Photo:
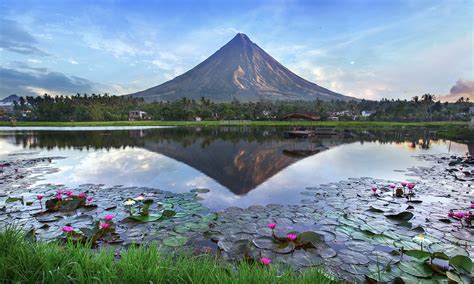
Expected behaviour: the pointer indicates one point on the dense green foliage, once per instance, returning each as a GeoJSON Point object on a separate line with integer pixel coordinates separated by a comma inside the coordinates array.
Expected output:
{"type": "Point", "coordinates": [25, 261]}
{"type": "Point", "coordinates": [116, 108]}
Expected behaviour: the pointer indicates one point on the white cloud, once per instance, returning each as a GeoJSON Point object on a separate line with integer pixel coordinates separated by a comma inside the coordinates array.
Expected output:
{"type": "Point", "coordinates": [72, 61]}
{"type": "Point", "coordinates": [36, 61]}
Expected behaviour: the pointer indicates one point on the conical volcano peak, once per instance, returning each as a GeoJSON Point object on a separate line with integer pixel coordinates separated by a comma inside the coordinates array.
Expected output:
{"type": "Point", "coordinates": [239, 70]}
{"type": "Point", "coordinates": [240, 38]}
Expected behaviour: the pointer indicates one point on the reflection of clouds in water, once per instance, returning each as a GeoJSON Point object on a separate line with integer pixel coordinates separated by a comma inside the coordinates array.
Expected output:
{"type": "Point", "coordinates": [140, 167]}
{"type": "Point", "coordinates": [125, 166]}
{"type": "Point", "coordinates": [339, 163]}
{"type": "Point", "coordinates": [8, 148]}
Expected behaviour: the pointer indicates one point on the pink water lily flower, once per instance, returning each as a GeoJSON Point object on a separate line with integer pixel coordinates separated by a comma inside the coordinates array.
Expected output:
{"type": "Point", "coordinates": [291, 237]}
{"type": "Point", "coordinates": [411, 185]}
{"type": "Point", "coordinates": [265, 261]}
{"type": "Point", "coordinates": [404, 183]}
{"type": "Point", "coordinates": [272, 226]}
{"type": "Point", "coordinates": [392, 185]}
{"type": "Point", "coordinates": [69, 193]}
{"type": "Point", "coordinates": [59, 197]}
{"type": "Point", "coordinates": [104, 225]}
{"type": "Point", "coordinates": [109, 217]}
{"type": "Point", "coordinates": [68, 229]}
{"type": "Point", "coordinates": [39, 196]}
{"type": "Point", "coordinates": [81, 195]}
{"type": "Point", "coordinates": [374, 189]}
{"type": "Point", "coordinates": [459, 215]}
{"type": "Point", "coordinates": [472, 205]}
{"type": "Point", "coordinates": [89, 198]}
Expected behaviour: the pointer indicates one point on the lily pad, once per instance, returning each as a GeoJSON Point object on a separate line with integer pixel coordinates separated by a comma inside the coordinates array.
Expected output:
{"type": "Point", "coordinates": [382, 273]}
{"type": "Point", "coordinates": [418, 269]}
{"type": "Point", "coordinates": [402, 216]}
{"type": "Point", "coordinates": [284, 248]}
{"type": "Point", "coordinates": [175, 241]}
{"type": "Point", "coordinates": [264, 242]}
{"type": "Point", "coordinates": [461, 262]}
{"type": "Point", "coordinates": [418, 254]}
{"type": "Point", "coordinates": [448, 249]}
{"type": "Point", "coordinates": [147, 218]}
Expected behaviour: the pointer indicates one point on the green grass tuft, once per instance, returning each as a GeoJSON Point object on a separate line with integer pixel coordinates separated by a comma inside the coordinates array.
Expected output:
{"type": "Point", "coordinates": [24, 261]}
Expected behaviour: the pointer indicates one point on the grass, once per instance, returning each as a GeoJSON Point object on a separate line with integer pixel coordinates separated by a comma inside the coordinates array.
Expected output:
{"type": "Point", "coordinates": [454, 130]}
{"type": "Point", "coordinates": [377, 124]}
{"type": "Point", "coordinates": [24, 261]}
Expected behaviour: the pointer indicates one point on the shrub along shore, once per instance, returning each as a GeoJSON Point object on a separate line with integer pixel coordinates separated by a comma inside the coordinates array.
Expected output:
{"type": "Point", "coordinates": [24, 260]}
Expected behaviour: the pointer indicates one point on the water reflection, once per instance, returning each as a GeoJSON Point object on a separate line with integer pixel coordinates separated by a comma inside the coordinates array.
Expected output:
{"type": "Point", "coordinates": [242, 166]}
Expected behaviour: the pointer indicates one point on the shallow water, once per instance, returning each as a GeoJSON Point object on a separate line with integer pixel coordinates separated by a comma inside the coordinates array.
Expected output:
{"type": "Point", "coordinates": [241, 166]}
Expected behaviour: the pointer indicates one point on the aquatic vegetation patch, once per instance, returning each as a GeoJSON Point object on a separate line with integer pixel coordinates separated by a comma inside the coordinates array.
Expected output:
{"type": "Point", "coordinates": [361, 229]}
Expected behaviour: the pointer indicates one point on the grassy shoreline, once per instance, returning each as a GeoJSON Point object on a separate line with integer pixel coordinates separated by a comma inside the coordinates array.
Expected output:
{"type": "Point", "coordinates": [452, 130]}
{"type": "Point", "coordinates": [376, 124]}
{"type": "Point", "coordinates": [26, 261]}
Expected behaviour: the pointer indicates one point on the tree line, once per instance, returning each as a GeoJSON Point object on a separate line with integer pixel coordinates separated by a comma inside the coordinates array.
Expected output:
{"type": "Point", "coordinates": [83, 107]}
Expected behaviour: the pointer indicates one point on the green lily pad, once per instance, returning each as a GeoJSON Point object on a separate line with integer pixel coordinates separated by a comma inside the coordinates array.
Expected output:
{"type": "Point", "coordinates": [418, 269]}
{"type": "Point", "coordinates": [448, 249]}
{"type": "Point", "coordinates": [168, 213]}
{"type": "Point", "coordinates": [461, 262]}
{"type": "Point", "coordinates": [402, 216]}
{"type": "Point", "coordinates": [147, 218]}
{"type": "Point", "coordinates": [382, 273]}
{"type": "Point", "coordinates": [175, 241]}
{"type": "Point", "coordinates": [418, 254]}
{"type": "Point", "coordinates": [14, 199]}
{"type": "Point", "coordinates": [310, 237]}
{"type": "Point", "coordinates": [264, 242]}
{"type": "Point", "coordinates": [456, 278]}
{"type": "Point", "coordinates": [284, 248]}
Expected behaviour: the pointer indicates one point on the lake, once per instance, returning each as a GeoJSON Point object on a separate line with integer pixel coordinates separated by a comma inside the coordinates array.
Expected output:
{"type": "Point", "coordinates": [241, 166]}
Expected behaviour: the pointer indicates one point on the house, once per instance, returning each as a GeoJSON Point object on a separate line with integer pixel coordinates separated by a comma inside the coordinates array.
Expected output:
{"type": "Point", "coordinates": [367, 113]}
{"type": "Point", "coordinates": [300, 116]}
{"type": "Point", "coordinates": [197, 118]}
{"type": "Point", "coordinates": [333, 118]}
{"type": "Point", "coordinates": [137, 115]}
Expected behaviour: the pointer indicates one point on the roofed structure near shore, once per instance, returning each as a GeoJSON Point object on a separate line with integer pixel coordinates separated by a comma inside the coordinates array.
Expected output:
{"type": "Point", "coordinates": [301, 116]}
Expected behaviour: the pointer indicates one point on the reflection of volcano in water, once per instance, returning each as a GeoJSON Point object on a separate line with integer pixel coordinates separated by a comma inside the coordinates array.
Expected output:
{"type": "Point", "coordinates": [240, 166]}
{"type": "Point", "coordinates": [238, 158]}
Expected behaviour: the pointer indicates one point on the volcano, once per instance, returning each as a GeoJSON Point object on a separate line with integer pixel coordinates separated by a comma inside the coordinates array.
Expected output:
{"type": "Point", "coordinates": [239, 70]}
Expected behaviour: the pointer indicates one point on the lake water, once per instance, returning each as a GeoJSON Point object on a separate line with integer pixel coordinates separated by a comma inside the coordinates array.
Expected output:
{"type": "Point", "coordinates": [241, 166]}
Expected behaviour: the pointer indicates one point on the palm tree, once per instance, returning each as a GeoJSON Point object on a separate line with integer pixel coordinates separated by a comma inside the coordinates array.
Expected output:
{"type": "Point", "coordinates": [428, 100]}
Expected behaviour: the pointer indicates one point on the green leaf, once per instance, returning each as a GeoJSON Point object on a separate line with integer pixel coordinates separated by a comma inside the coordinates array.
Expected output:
{"type": "Point", "coordinates": [418, 254]}
{"type": "Point", "coordinates": [454, 277]}
{"type": "Point", "coordinates": [402, 216]}
{"type": "Point", "coordinates": [14, 199]}
{"type": "Point", "coordinates": [168, 213]}
{"type": "Point", "coordinates": [175, 241]}
{"type": "Point", "coordinates": [284, 248]}
{"type": "Point", "coordinates": [149, 218]}
{"type": "Point", "coordinates": [264, 242]}
{"type": "Point", "coordinates": [461, 262]}
{"type": "Point", "coordinates": [440, 255]}
{"type": "Point", "coordinates": [310, 237]}
{"type": "Point", "coordinates": [418, 269]}
{"type": "Point", "coordinates": [383, 273]}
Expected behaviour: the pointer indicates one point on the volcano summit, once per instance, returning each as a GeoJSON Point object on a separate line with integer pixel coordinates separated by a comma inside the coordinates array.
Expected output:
{"type": "Point", "coordinates": [239, 70]}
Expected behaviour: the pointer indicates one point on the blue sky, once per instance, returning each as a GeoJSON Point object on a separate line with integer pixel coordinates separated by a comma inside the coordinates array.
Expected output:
{"type": "Point", "coordinates": [367, 49]}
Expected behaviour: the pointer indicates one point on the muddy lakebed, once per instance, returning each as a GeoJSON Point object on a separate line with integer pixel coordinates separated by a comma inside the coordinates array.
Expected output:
{"type": "Point", "coordinates": [216, 190]}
